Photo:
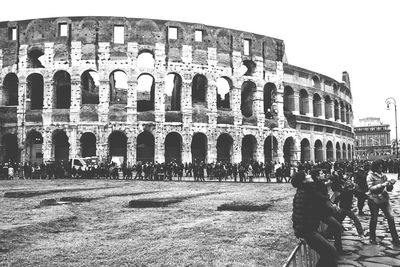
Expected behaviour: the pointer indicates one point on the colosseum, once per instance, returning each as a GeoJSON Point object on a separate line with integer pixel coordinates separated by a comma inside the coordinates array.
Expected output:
{"type": "Point", "coordinates": [153, 90]}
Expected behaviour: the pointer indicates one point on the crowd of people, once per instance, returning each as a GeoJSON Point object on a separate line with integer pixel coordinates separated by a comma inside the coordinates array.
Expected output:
{"type": "Point", "coordinates": [324, 197]}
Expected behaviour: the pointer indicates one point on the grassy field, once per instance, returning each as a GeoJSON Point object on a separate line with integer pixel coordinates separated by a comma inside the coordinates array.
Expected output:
{"type": "Point", "coordinates": [99, 228]}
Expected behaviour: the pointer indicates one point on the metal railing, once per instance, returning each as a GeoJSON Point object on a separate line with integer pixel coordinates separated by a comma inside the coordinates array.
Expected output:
{"type": "Point", "coordinates": [302, 256]}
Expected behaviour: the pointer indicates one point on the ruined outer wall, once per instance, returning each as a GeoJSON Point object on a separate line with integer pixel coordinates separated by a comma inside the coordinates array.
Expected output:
{"type": "Point", "coordinates": [90, 46]}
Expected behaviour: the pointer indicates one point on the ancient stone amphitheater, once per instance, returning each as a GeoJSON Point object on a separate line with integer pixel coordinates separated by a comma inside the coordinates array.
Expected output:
{"type": "Point", "coordinates": [141, 89]}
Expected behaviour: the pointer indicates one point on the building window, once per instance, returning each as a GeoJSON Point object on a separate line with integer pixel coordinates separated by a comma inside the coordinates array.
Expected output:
{"type": "Point", "coordinates": [246, 47]}
{"type": "Point", "coordinates": [198, 36]}
{"type": "Point", "coordinates": [119, 32]}
{"type": "Point", "coordinates": [62, 29]}
{"type": "Point", "coordinates": [172, 33]}
{"type": "Point", "coordinates": [12, 34]}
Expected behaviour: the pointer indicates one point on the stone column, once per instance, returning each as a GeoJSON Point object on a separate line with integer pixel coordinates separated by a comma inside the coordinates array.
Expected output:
{"type": "Point", "coordinates": [72, 133]}
{"type": "Point", "coordinates": [159, 100]}
{"type": "Point", "coordinates": [212, 101]}
{"type": "Point", "coordinates": [322, 115]}
{"type": "Point", "coordinates": [131, 107]}
{"type": "Point", "coordinates": [235, 105]}
{"type": "Point", "coordinates": [186, 145]}
{"type": "Point", "coordinates": [104, 100]}
{"type": "Point", "coordinates": [48, 100]}
{"type": "Point", "coordinates": [76, 100]}
{"type": "Point", "coordinates": [47, 145]}
{"type": "Point", "coordinates": [310, 106]}
{"type": "Point", "coordinates": [296, 100]}
{"type": "Point", "coordinates": [159, 146]}
{"type": "Point", "coordinates": [237, 147]}
{"type": "Point", "coordinates": [186, 102]}
{"type": "Point", "coordinates": [211, 146]}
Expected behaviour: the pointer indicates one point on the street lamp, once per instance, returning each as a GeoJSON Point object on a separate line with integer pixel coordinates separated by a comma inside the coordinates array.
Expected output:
{"type": "Point", "coordinates": [389, 101]}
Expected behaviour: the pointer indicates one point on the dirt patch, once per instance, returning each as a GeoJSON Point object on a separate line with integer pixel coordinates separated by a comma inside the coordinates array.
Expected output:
{"type": "Point", "coordinates": [77, 199]}
{"type": "Point", "coordinates": [244, 206]}
{"type": "Point", "coordinates": [33, 193]}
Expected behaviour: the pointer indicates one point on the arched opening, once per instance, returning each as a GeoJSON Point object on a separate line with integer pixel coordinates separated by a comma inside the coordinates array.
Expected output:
{"type": "Point", "coordinates": [33, 147]}
{"type": "Point", "coordinates": [349, 157]}
{"type": "Point", "coordinates": [289, 150]}
{"type": "Point", "coordinates": [10, 148]}
{"type": "Point", "coordinates": [88, 145]}
{"type": "Point", "coordinates": [288, 99]}
{"type": "Point", "coordinates": [328, 107]}
{"type": "Point", "coordinates": [199, 89]}
{"type": "Point", "coordinates": [145, 60]}
{"type": "Point", "coordinates": [270, 148]}
{"type": "Point", "coordinates": [344, 151]}
{"type": "Point", "coordinates": [269, 99]}
{"type": "Point", "coordinates": [117, 145]}
{"type": "Point", "coordinates": [173, 89]}
{"type": "Point", "coordinates": [34, 58]}
{"type": "Point", "coordinates": [329, 151]}
{"type": "Point", "coordinates": [90, 87]}
{"type": "Point", "coordinates": [342, 112]}
{"type": "Point", "coordinates": [224, 86]}
{"type": "Point", "coordinates": [317, 109]}
{"type": "Point", "coordinates": [173, 148]}
{"type": "Point", "coordinates": [347, 114]}
{"type": "Point", "coordinates": [62, 89]}
{"type": "Point", "coordinates": [246, 106]}
{"type": "Point", "coordinates": [305, 150]}
{"type": "Point", "coordinates": [145, 92]}
{"type": "Point", "coordinates": [35, 86]}
{"type": "Point", "coordinates": [316, 82]}
{"type": "Point", "coordinates": [337, 110]}
{"type": "Point", "coordinates": [338, 151]}
{"type": "Point", "coordinates": [248, 68]}
{"type": "Point", "coordinates": [249, 148]}
{"type": "Point", "coordinates": [318, 151]}
{"type": "Point", "coordinates": [60, 145]}
{"type": "Point", "coordinates": [303, 99]}
{"type": "Point", "coordinates": [118, 82]}
{"type": "Point", "coordinates": [145, 147]}
{"type": "Point", "coordinates": [224, 148]}
{"type": "Point", "coordinates": [10, 90]}
{"type": "Point", "coordinates": [199, 147]}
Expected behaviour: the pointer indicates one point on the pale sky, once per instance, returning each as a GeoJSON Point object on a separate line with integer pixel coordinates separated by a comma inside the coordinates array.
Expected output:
{"type": "Point", "coordinates": [328, 37]}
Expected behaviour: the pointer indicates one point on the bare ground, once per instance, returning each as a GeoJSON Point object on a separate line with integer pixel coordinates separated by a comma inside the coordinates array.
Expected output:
{"type": "Point", "coordinates": [103, 230]}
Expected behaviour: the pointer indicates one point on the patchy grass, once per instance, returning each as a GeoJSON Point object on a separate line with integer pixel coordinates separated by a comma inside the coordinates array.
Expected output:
{"type": "Point", "coordinates": [244, 206]}
{"type": "Point", "coordinates": [106, 232]}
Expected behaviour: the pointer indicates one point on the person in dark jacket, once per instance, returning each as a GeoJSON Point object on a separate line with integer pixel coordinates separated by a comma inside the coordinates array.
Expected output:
{"type": "Point", "coordinates": [306, 220]}
{"type": "Point", "coordinates": [360, 179]}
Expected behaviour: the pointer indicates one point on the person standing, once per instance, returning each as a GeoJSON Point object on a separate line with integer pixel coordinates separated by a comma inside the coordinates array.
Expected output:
{"type": "Point", "coordinates": [378, 186]}
{"type": "Point", "coordinates": [360, 179]}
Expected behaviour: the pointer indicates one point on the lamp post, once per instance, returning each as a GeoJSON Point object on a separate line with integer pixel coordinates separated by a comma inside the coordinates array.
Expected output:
{"type": "Point", "coordinates": [389, 101]}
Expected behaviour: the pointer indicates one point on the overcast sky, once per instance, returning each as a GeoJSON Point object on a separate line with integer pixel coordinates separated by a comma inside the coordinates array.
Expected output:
{"type": "Point", "coordinates": [359, 36]}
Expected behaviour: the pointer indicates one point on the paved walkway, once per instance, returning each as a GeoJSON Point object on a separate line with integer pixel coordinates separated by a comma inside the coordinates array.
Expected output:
{"type": "Point", "coordinates": [363, 254]}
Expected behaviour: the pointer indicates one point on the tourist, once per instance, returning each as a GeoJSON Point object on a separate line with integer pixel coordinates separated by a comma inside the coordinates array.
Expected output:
{"type": "Point", "coordinates": [360, 180]}
{"type": "Point", "coordinates": [306, 220]}
{"type": "Point", "coordinates": [379, 186]}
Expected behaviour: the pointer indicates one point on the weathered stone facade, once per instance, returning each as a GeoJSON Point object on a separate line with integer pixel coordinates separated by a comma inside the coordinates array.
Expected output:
{"type": "Point", "coordinates": [269, 98]}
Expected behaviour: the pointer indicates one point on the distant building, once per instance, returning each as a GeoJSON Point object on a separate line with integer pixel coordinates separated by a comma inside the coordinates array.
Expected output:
{"type": "Point", "coordinates": [372, 139]}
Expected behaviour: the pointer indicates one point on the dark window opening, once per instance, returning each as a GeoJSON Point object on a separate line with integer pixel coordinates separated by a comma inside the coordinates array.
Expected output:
{"type": "Point", "coordinates": [35, 90]}
{"type": "Point", "coordinates": [317, 105]}
{"type": "Point", "coordinates": [88, 145]}
{"type": "Point", "coordinates": [248, 68]}
{"type": "Point", "coordinates": [288, 99]}
{"type": "Point", "coordinates": [12, 34]}
{"type": "Point", "coordinates": [117, 144]}
{"type": "Point", "coordinates": [248, 90]}
{"type": "Point", "coordinates": [199, 148]}
{"type": "Point", "coordinates": [33, 146]}
{"type": "Point", "coordinates": [145, 147]}
{"type": "Point", "coordinates": [270, 149]}
{"type": "Point", "coordinates": [90, 87]}
{"type": "Point", "coordinates": [173, 88]}
{"type": "Point", "coordinates": [60, 146]}
{"type": "Point", "coordinates": [249, 149]}
{"type": "Point", "coordinates": [305, 150]}
{"type": "Point", "coordinates": [304, 105]}
{"type": "Point", "coordinates": [145, 93]}
{"type": "Point", "coordinates": [10, 90]}
{"type": "Point", "coordinates": [118, 87]}
{"type": "Point", "coordinates": [224, 148]}
{"type": "Point", "coordinates": [269, 100]}
{"type": "Point", "coordinates": [223, 93]}
{"type": "Point", "coordinates": [199, 89]}
{"type": "Point", "coordinates": [33, 60]}
{"type": "Point", "coordinates": [10, 148]}
{"type": "Point", "coordinates": [62, 89]}
{"type": "Point", "coordinates": [173, 148]}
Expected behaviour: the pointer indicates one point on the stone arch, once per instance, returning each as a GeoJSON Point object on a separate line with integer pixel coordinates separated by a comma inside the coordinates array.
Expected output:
{"type": "Point", "coordinates": [288, 99]}
{"type": "Point", "coordinates": [34, 57]}
{"type": "Point", "coordinates": [269, 98]}
{"type": "Point", "coordinates": [199, 147]}
{"type": "Point", "coordinates": [199, 89]}
{"type": "Point", "coordinates": [33, 147]}
{"type": "Point", "coordinates": [248, 67]}
{"type": "Point", "coordinates": [145, 144]}
{"type": "Point", "coordinates": [118, 82]}
{"type": "Point", "coordinates": [303, 105]}
{"type": "Point", "coordinates": [318, 151]}
{"type": "Point", "coordinates": [249, 148]}
{"type": "Point", "coordinates": [337, 110]}
{"type": "Point", "coordinates": [270, 148]}
{"type": "Point", "coordinates": [145, 92]}
{"type": "Point", "coordinates": [289, 150]}
{"type": "Point", "coordinates": [62, 90]}
{"type": "Point", "coordinates": [329, 151]}
{"type": "Point", "coordinates": [305, 149]}
{"type": "Point", "coordinates": [173, 92]}
{"type": "Point", "coordinates": [328, 107]}
{"type": "Point", "coordinates": [173, 147]}
{"type": "Point", "coordinates": [9, 94]}
{"type": "Point", "coordinates": [342, 112]}
{"type": "Point", "coordinates": [316, 83]}
{"type": "Point", "coordinates": [88, 144]}
{"type": "Point", "coordinates": [317, 105]}
{"type": "Point", "coordinates": [145, 59]}
{"type": "Point", "coordinates": [9, 143]}
{"type": "Point", "coordinates": [338, 151]}
{"type": "Point", "coordinates": [347, 114]}
{"type": "Point", "coordinates": [35, 90]}
{"type": "Point", "coordinates": [60, 145]}
{"type": "Point", "coordinates": [117, 146]}
{"type": "Point", "coordinates": [224, 86]}
{"type": "Point", "coordinates": [90, 87]}
{"type": "Point", "coordinates": [224, 148]}
{"type": "Point", "coordinates": [247, 97]}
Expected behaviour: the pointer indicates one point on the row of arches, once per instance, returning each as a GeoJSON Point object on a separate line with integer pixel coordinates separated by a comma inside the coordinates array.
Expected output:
{"type": "Point", "coordinates": [343, 152]}
{"type": "Point", "coordinates": [118, 91]}
{"type": "Point", "coordinates": [325, 107]}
